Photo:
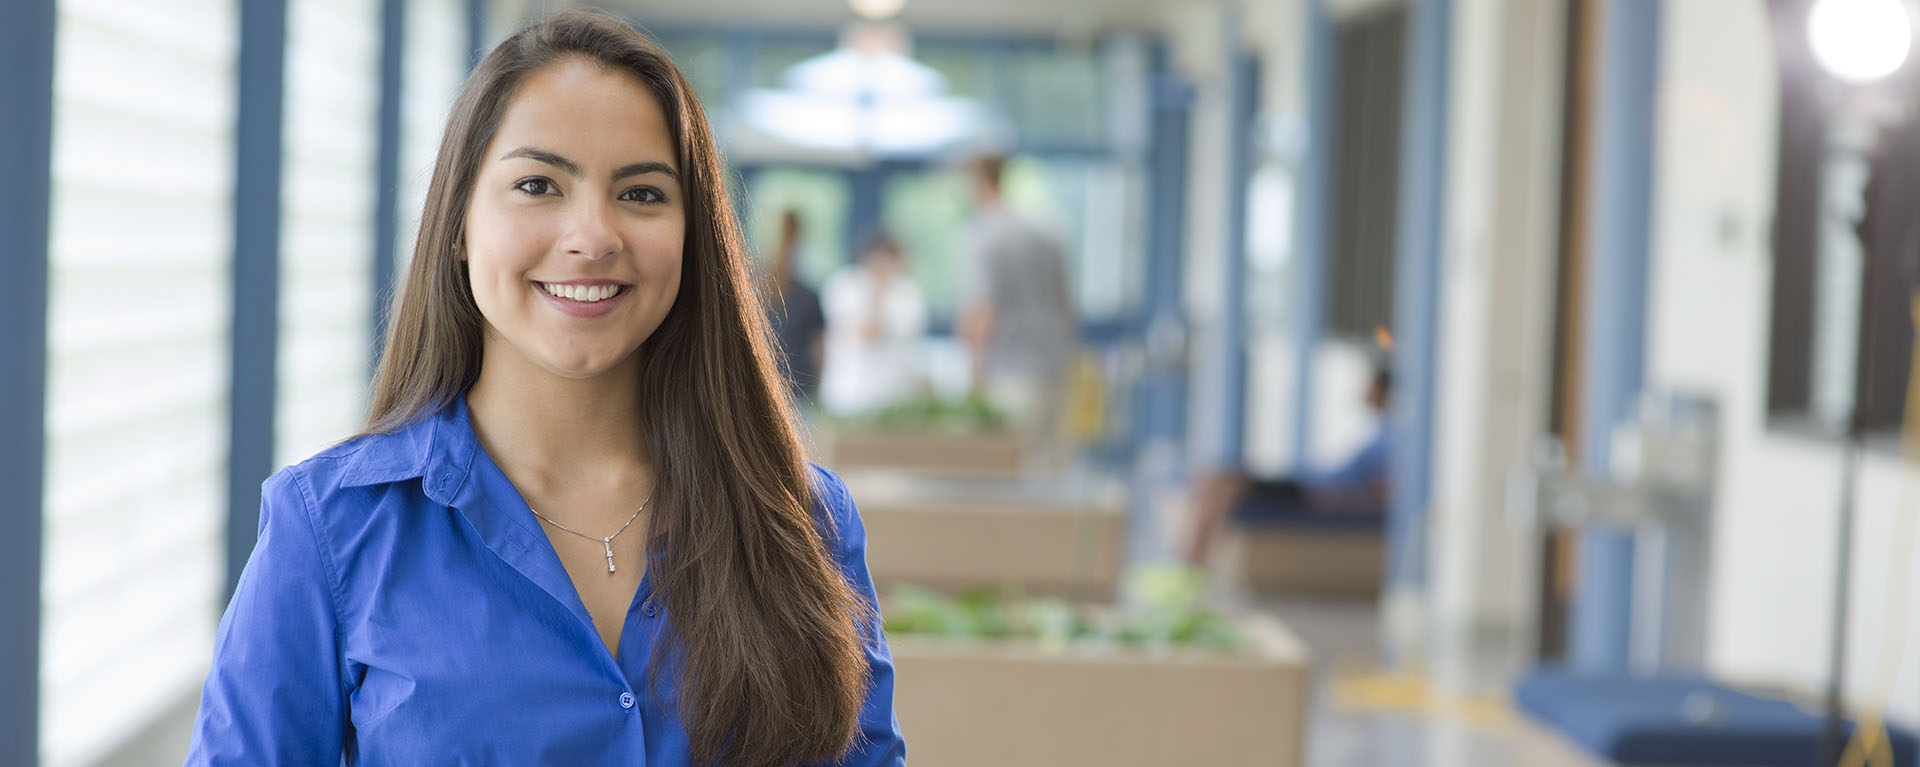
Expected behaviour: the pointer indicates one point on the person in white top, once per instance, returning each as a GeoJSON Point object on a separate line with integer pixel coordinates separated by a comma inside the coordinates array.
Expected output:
{"type": "Point", "coordinates": [875, 319]}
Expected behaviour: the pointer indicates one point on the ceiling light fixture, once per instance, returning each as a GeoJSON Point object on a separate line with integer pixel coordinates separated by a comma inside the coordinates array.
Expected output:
{"type": "Point", "coordinates": [877, 10]}
{"type": "Point", "coordinates": [1859, 41]}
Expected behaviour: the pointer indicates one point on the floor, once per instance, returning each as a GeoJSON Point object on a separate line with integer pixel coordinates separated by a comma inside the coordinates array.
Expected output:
{"type": "Point", "coordinates": [1364, 718]}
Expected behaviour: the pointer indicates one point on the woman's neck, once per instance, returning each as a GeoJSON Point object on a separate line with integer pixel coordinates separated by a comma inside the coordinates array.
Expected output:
{"type": "Point", "coordinates": [532, 421]}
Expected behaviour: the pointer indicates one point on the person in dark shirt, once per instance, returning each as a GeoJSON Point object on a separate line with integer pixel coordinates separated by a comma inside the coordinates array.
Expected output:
{"type": "Point", "coordinates": [793, 309]}
{"type": "Point", "coordinates": [1356, 487]}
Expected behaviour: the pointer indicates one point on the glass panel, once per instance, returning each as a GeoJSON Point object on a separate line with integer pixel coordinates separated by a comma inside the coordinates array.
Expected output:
{"type": "Point", "coordinates": [926, 211]}
{"type": "Point", "coordinates": [820, 196]}
{"type": "Point", "coordinates": [1084, 203]}
{"type": "Point", "coordinates": [1078, 201]}
{"type": "Point", "coordinates": [703, 59]}
{"type": "Point", "coordinates": [140, 244]}
{"type": "Point", "coordinates": [1836, 301]}
{"type": "Point", "coordinates": [326, 224]}
{"type": "Point", "coordinates": [961, 65]}
{"type": "Point", "coordinates": [771, 59]}
{"type": "Point", "coordinates": [1057, 95]}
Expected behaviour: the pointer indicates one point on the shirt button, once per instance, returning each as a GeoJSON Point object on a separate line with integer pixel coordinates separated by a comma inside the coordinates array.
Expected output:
{"type": "Point", "coordinates": [648, 609]}
{"type": "Point", "coordinates": [626, 700]}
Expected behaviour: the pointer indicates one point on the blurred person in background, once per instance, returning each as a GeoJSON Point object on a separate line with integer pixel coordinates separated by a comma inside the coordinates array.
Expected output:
{"type": "Point", "coordinates": [1016, 316]}
{"type": "Point", "coordinates": [1357, 487]}
{"type": "Point", "coordinates": [876, 317]}
{"type": "Point", "coordinates": [794, 311]}
{"type": "Point", "coordinates": [579, 527]}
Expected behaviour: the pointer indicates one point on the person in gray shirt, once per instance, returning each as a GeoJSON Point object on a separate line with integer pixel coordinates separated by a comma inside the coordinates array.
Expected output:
{"type": "Point", "coordinates": [1017, 317]}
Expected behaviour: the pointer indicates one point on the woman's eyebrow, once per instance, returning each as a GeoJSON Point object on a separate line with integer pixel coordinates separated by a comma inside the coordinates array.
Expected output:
{"type": "Point", "coordinates": [639, 168]}
{"type": "Point", "coordinates": [573, 169]}
{"type": "Point", "coordinates": [543, 156]}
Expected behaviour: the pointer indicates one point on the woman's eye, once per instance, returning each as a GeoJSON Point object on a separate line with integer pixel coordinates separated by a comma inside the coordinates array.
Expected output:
{"type": "Point", "coordinates": [534, 186]}
{"type": "Point", "coordinates": [643, 194]}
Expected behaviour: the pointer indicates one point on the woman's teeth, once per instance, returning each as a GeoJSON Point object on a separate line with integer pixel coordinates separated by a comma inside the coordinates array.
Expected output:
{"type": "Point", "coordinates": [582, 293]}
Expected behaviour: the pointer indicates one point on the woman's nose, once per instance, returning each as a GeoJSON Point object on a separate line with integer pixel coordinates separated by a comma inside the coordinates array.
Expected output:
{"type": "Point", "coordinates": [592, 234]}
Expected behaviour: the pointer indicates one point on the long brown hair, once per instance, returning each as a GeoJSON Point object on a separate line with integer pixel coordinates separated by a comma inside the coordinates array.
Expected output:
{"type": "Point", "coordinates": [772, 671]}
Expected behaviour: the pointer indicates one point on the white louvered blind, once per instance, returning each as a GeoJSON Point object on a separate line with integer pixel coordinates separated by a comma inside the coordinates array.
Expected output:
{"type": "Point", "coordinates": [141, 242]}
{"type": "Point", "coordinates": [436, 59]}
{"type": "Point", "coordinates": [326, 217]}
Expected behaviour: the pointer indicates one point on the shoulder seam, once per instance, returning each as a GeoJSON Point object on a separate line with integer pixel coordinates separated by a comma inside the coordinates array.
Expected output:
{"type": "Point", "coordinates": [309, 503]}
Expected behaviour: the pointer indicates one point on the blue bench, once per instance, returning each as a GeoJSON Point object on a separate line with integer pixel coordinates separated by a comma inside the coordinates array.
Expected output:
{"type": "Point", "coordinates": [1678, 721]}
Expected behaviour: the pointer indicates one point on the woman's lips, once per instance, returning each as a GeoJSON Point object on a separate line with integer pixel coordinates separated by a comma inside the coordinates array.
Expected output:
{"type": "Point", "coordinates": [585, 298]}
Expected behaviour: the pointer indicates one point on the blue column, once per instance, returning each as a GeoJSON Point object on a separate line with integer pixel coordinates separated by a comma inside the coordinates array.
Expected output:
{"type": "Point", "coordinates": [1313, 214]}
{"type": "Point", "coordinates": [1616, 300]}
{"type": "Point", "coordinates": [1416, 292]}
{"type": "Point", "coordinates": [863, 206]}
{"type": "Point", "coordinates": [256, 271]}
{"type": "Point", "coordinates": [1243, 91]}
{"type": "Point", "coordinates": [386, 192]}
{"type": "Point", "coordinates": [26, 143]}
{"type": "Point", "coordinates": [476, 32]}
{"type": "Point", "coordinates": [1162, 400]}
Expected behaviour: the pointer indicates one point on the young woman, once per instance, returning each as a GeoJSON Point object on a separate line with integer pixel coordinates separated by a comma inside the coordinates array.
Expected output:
{"type": "Point", "coordinates": [580, 528]}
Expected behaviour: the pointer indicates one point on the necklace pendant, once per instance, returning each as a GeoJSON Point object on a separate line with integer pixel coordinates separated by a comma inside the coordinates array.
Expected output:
{"type": "Point", "coordinates": [608, 543]}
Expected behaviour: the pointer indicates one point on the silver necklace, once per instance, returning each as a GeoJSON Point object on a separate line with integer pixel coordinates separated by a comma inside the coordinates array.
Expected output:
{"type": "Point", "coordinates": [606, 542]}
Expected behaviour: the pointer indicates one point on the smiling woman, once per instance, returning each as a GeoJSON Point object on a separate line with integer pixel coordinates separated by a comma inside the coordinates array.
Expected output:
{"type": "Point", "coordinates": [576, 215]}
{"type": "Point", "coordinates": [576, 352]}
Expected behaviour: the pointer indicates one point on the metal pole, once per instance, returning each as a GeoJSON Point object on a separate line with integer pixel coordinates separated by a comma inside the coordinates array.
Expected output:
{"type": "Point", "coordinates": [1834, 738]}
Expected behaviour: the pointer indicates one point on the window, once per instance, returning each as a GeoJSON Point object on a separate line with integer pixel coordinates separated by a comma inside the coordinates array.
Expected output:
{"type": "Point", "coordinates": [1366, 182]}
{"type": "Point", "coordinates": [1057, 95]}
{"type": "Point", "coordinates": [140, 237]}
{"type": "Point", "coordinates": [927, 212]}
{"type": "Point", "coordinates": [326, 223]}
{"type": "Point", "coordinates": [1076, 199]}
{"type": "Point", "coordinates": [1846, 253]}
{"type": "Point", "coordinates": [820, 197]}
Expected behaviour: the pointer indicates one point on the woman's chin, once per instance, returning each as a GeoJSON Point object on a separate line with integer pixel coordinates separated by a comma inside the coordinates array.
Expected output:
{"type": "Point", "coordinates": [586, 368]}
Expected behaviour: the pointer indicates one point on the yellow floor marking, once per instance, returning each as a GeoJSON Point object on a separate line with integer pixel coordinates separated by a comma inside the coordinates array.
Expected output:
{"type": "Point", "coordinates": [1410, 693]}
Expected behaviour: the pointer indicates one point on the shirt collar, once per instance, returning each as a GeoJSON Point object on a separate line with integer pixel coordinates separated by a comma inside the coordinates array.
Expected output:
{"type": "Point", "coordinates": [437, 449]}
{"type": "Point", "coordinates": [442, 450]}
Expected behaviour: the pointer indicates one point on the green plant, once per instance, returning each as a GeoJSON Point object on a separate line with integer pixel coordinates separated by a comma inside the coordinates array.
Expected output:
{"type": "Point", "coordinates": [932, 413]}
{"type": "Point", "coordinates": [1163, 610]}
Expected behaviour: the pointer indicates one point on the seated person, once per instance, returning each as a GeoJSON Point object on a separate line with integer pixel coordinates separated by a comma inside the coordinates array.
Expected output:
{"type": "Point", "coordinates": [1356, 487]}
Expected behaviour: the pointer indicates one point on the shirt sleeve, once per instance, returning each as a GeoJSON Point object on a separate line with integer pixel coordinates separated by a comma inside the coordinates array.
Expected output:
{"type": "Point", "coordinates": [880, 743]}
{"type": "Point", "coordinates": [841, 304]}
{"type": "Point", "coordinates": [908, 309]}
{"type": "Point", "coordinates": [1366, 466]}
{"type": "Point", "coordinates": [274, 695]}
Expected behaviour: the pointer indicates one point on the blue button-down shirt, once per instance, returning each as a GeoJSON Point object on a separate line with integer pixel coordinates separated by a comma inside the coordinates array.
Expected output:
{"type": "Point", "coordinates": [403, 607]}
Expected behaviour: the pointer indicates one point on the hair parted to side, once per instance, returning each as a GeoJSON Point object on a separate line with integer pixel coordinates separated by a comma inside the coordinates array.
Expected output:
{"type": "Point", "coordinates": [767, 635]}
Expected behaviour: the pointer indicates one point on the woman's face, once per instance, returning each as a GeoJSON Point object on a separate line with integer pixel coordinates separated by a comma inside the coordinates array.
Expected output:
{"type": "Point", "coordinates": [574, 233]}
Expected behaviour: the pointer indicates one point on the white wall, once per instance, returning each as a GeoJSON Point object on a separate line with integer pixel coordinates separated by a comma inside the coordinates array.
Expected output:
{"type": "Point", "coordinates": [1711, 274]}
{"type": "Point", "coordinates": [141, 237]}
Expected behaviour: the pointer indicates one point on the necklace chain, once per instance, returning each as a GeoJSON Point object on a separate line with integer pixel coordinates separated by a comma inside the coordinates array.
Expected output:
{"type": "Point", "coordinates": [607, 542]}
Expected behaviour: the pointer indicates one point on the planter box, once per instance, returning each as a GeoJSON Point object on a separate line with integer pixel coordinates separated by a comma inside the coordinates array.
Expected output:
{"type": "Point", "coordinates": [991, 453]}
{"type": "Point", "coordinates": [1014, 704]}
{"type": "Point", "coordinates": [1321, 562]}
{"type": "Point", "coordinates": [1060, 537]}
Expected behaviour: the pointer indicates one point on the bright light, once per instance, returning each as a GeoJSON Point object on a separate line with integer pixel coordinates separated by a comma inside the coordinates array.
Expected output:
{"type": "Point", "coordinates": [1859, 40]}
{"type": "Point", "coordinates": [877, 9]}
